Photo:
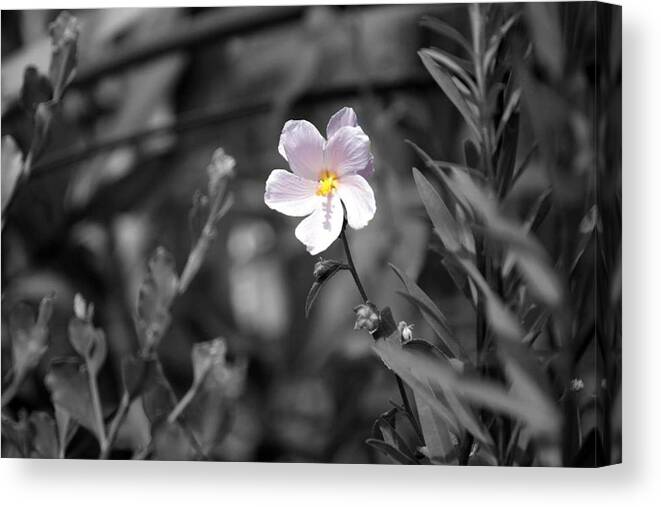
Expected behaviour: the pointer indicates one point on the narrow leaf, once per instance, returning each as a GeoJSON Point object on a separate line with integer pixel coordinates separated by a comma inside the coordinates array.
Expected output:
{"type": "Point", "coordinates": [448, 86]}
{"type": "Point", "coordinates": [441, 218]}
{"type": "Point", "coordinates": [448, 31]}
{"type": "Point", "coordinates": [392, 452]}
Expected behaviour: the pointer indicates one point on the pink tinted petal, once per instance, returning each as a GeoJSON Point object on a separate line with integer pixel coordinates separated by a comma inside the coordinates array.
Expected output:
{"type": "Point", "coordinates": [369, 168]}
{"type": "Point", "coordinates": [358, 199]}
{"type": "Point", "coordinates": [348, 151]}
{"type": "Point", "coordinates": [302, 146]}
{"type": "Point", "coordinates": [318, 231]}
{"type": "Point", "coordinates": [345, 117]}
{"type": "Point", "coordinates": [290, 194]}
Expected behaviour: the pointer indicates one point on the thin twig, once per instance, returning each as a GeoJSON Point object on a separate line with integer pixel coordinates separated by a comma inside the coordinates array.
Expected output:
{"type": "Point", "coordinates": [352, 267]}
{"type": "Point", "coordinates": [96, 406]}
{"type": "Point", "coordinates": [183, 403]}
{"type": "Point", "coordinates": [120, 415]}
{"type": "Point", "coordinates": [11, 390]}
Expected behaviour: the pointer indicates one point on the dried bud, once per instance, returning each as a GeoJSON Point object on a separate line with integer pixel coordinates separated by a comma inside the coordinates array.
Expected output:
{"type": "Point", "coordinates": [367, 317]}
{"type": "Point", "coordinates": [325, 268]}
{"type": "Point", "coordinates": [405, 331]}
{"type": "Point", "coordinates": [221, 166]}
{"type": "Point", "coordinates": [81, 309]}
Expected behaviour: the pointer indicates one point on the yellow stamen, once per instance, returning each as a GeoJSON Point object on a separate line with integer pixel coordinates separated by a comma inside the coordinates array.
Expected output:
{"type": "Point", "coordinates": [327, 183]}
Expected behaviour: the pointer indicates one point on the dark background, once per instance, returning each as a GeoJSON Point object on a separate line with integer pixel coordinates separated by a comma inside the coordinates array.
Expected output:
{"type": "Point", "coordinates": [157, 91]}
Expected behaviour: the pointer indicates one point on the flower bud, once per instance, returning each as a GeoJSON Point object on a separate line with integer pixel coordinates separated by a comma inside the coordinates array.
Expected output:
{"type": "Point", "coordinates": [405, 331]}
{"type": "Point", "coordinates": [221, 166]}
{"type": "Point", "coordinates": [325, 268]}
{"type": "Point", "coordinates": [367, 317]}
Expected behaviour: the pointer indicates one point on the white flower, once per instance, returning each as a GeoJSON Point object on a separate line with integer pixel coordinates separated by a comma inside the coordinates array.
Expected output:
{"type": "Point", "coordinates": [325, 174]}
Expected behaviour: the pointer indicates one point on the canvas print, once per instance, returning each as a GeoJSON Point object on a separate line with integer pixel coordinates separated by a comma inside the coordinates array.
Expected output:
{"type": "Point", "coordinates": [328, 234]}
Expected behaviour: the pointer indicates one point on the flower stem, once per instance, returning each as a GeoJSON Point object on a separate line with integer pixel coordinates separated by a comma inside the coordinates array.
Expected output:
{"type": "Point", "coordinates": [363, 294]}
{"type": "Point", "coordinates": [96, 407]}
{"type": "Point", "coordinates": [11, 390]}
{"type": "Point", "coordinates": [122, 410]}
{"type": "Point", "coordinates": [352, 267]}
{"type": "Point", "coordinates": [183, 403]}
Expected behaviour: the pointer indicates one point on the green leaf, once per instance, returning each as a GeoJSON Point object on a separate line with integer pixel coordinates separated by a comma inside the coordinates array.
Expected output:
{"type": "Point", "coordinates": [434, 166]}
{"type": "Point", "coordinates": [29, 336]}
{"type": "Point", "coordinates": [522, 373]}
{"type": "Point", "coordinates": [449, 87]}
{"type": "Point", "coordinates": [440, 449]}
{"type": "Point", "coordinates": [170, 443]}
{"type": "Point", "coordinates": [12, 169]}
{"type": "Point", "coordinates": [324, 270]}
{"type": "Point", "coordinates": [538, 212]}
{"type": "Point", "coordinates": [36, 89]}
{"type": "Point", "coordinates": [44, 441]}
{"type": "Point", "coordinates": [432, 315]}
{"type": "Point", "coordinates": [530, 257]}
{"type": "Point", "coordinates": [456, 66]}
{"type": "Point", "coordinates": [158, 398]}
{"type": "Point", "coordinates": [443, 221]}
{"type": "Point", "coordinates": [15, 436]}
{"type": "Point", "coordinates": [448, 31]}
{"type": "Point", "coordinates": [392, 452]}
{"type": "Point", "coordinates": [43, 118]}
{"type": "Point", "coordinates": [89, 342]}
{"type": "Point", "coordinates": [544, 26]}
{"type": "Point", "coordinates": [385, 427]}
{"type": "Point", "coordinates": [68, 383]}
{"type": "Point", "coordinates": [135, 373]}
{"type": "Point", "coordinates": [462, 414]}
{"type": "Point", "coordinates": [501, 320]}
{"type": "Point", "coordinates": [157, 292]}
{"type": "Point", "coordinates": [471, 154]}
{"type": "Point", "coordinates": [497, 38]}
{"type": "Point", "coordinates": [414, 367]}
{"type": "Point", "coordinates": [527, 251]}
{"type": "Point", "coordinates": [510, 108]}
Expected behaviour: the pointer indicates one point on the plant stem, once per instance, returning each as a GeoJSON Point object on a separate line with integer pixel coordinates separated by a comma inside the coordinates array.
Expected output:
{"type": "Point", "coordinates": [183, 403]}
{"type": "Point", "coordinates": [120, 415]}
{"type": "Point", "coordinates": [96, 406]}
{"type": "Point", "coordinates": [11, 390]}
{"type": "Point", "coordinates": [352, 267]}
{"type": "Point", "coordinates": [363, 294]}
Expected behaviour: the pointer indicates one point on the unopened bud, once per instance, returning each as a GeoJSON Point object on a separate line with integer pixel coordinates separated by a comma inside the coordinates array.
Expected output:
{"type": "Point", "coordinates": [325, 268]}
{"type": "Point", "coordinates": [405, 331]}
{"type": "Point", "coordinates": [367, 317]}
{"type": "Point", "coordinates": [221, 166]}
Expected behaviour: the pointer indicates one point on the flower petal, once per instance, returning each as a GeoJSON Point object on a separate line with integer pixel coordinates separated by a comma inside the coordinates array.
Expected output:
{"type": "Point", "coordinates": [348, 151]}
{"type": "Point", "coordinates": [290, 194]}
{"type": "Point", "coordinates": [318, 231]}
{"type": "Point", "coordinates": [302, 146]}
{"type": "Point", "coordinates": [358, 199]}
{"type": "Point", "coordinates": [369, 168]}
{"type": "Point", "coordinates": [345, 117]}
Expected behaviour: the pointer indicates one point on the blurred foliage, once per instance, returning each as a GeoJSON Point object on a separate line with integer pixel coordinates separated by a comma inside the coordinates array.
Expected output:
{"type": "Point", "coordinates": [494, 255]}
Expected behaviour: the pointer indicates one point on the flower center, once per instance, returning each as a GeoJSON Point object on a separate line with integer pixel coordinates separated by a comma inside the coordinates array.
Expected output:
{"type": "Point", "coordinates": [327, 183]}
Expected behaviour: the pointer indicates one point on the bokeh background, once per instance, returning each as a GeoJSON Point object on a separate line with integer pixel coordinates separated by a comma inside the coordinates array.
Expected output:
{"type": "Point", "coordinates": [156, 92]}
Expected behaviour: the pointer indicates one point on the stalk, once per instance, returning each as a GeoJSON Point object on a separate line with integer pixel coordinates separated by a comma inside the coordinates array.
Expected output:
{"type": "Point", "coordinates": [363, 295]}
